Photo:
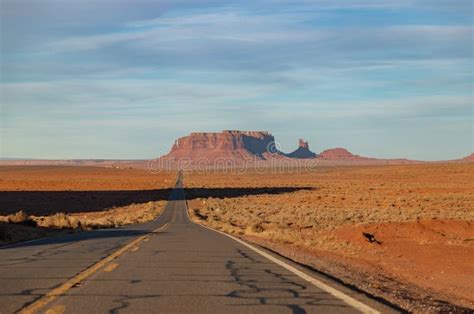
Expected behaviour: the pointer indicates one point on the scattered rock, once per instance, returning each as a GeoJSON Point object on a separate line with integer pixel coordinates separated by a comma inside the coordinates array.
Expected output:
{"type": "Point", "coordinates": [371, 238]}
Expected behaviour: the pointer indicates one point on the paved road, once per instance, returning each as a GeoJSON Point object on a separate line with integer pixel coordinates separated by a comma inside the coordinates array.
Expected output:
{"type": "Point", "coordinates": [183, 267]}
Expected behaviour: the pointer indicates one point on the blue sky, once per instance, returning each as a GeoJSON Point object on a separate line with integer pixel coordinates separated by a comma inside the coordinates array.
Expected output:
{"type": "Point", "coordinates": [123, 79]}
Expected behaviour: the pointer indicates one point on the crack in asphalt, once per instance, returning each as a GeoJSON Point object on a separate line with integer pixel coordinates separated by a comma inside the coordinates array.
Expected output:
{"type": "Point", "coordinates": [251, 289]}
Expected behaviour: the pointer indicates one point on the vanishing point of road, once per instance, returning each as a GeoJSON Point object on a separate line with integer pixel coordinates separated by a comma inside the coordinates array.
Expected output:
{"type": "Point", "coordinates": [170, 265]}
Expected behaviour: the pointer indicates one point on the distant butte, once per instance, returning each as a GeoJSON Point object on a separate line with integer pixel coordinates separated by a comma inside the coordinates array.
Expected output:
{"type": "Point", "coordinates": [338, 153]}
{"type": "Point", "coordinates": [302, 151]}
{"type": "Point", "coordinates": [469, 158]}
{"type": "Point", "coordinates": [231, 147]}
{"type": "Point", "coordinates": [234, 147]}
{"type": "Point", "coordinates": [228, 143]}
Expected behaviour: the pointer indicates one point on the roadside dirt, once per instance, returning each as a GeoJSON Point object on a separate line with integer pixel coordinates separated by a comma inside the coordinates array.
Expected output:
{"type": "Point", "coordinates": [436, 278]}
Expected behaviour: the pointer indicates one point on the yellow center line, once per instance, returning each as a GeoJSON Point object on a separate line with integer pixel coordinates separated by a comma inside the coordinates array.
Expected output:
{"type": "Point", "coordinates": [62, 289]}
{"type": "Point", "coordinates": [134, 249]}
{"type": "Point", "coordinates": [57, 309]}
{"type": "Point", "coordinates": [111, 267]}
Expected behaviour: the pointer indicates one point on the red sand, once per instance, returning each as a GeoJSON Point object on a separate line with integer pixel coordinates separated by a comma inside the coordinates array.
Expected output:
{"type": "Point", "coordinates": [433, 254]}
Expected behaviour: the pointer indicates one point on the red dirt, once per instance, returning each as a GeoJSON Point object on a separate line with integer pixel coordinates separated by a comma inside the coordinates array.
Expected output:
{"type": "Point", "coordinates": [433, 254]}
{"type": "Point", "coordinates": [86, 178]}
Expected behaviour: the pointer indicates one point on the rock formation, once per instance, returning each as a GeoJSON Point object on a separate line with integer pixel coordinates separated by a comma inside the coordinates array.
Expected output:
{"type": "Point", "coordinates": [469, 158]}
{"type": "Point", "coordinates": [338, 153]}
{"type": "Point", "coordinates": [234, 148]}
{"type": "Point", "coordinates": [302, 151]}
{"type": "Point", "coordinates": [230, 146]}
{"type": "Point", "coordinates": [228, 143]}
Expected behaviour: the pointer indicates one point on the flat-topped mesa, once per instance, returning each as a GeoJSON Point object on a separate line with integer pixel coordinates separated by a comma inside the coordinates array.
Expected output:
{"type": "Point", "coordinates": [254, 142]}
{"type": "Point", "coordinates": [248, 133]}
{"type": "Point", "coordinates": [235, 147]}
{"type": "Point", "coordinates": [338, 153]}
{"type": "Point", "coordinates": [243, 148]}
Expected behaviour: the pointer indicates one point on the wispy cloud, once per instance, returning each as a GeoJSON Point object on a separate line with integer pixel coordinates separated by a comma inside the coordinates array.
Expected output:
{"type": "Point", "coordinates": [170, 67]}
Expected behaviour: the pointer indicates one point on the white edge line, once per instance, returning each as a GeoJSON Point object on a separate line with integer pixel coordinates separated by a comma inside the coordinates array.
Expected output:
{"type": "Point", "coordinates": [319, 284]}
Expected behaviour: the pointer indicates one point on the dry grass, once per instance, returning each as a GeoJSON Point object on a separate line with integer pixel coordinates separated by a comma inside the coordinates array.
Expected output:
{"type": "Point", "coordinates": [77, 198]}
{"type": "Point", "coordinates": [136, 213]}
{"type": "Point", "coordinates": [423, 214]}
{"type": "Point", "coordinates": [340, 196]}
{"type": "Point", "coordinates": [19, 218]}
{"type": "Point", "coordinates": [21, 227]}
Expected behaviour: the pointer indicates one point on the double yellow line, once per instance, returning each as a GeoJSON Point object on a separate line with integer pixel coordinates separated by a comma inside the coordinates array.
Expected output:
{"type": "Point", "coordinates": [62, 289]}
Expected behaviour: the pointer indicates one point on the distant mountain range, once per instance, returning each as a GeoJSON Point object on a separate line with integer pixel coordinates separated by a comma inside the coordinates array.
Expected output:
{"type": "Point", "coordinates": [231, 148]}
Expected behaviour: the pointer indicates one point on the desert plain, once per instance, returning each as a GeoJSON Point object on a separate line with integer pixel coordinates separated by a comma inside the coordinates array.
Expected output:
{"type": "Point", "coordinates": [38, 201]}
{"type": "Point", "coordinates": [400, 232]}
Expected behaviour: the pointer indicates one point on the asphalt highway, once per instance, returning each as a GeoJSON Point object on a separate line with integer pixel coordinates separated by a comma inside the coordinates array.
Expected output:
{"type": "Point", "coordinates": [170, 265]}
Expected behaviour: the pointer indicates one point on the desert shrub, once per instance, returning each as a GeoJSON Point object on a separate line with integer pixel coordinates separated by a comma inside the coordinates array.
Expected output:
{"type": "Point", "coordinates": [257, 228]}
{"type": "Point", "coordinates": [21, 218]}
{"type": "Point", "coordinates": [61, 220]}
{"type": "Point", "coordinates": [18, 217]}
{"type": "Point", "coordinates": [198, 214]}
